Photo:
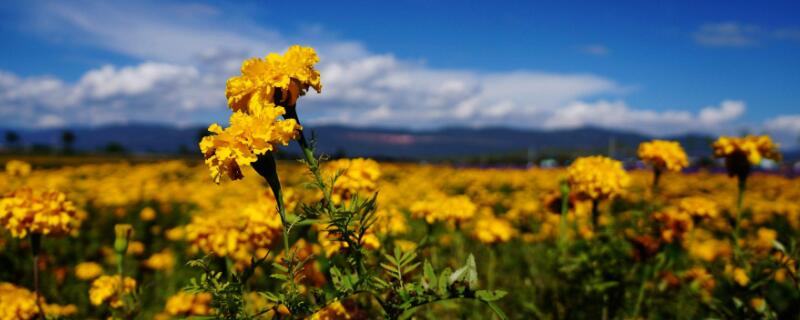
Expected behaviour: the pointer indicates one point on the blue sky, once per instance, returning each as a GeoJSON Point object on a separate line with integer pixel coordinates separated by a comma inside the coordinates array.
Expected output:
{"type": "Point", "coordinates": [652, 66]}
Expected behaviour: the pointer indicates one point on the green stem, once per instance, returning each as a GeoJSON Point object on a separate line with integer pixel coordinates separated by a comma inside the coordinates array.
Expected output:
{"type": "Point", "coordinates": [595, 212]}
{"type": "Point", "coordinates": [652, 272]}
{"type": "Point", "coordinates": [36, 245]}
{"type": "Point", "coordinates": [742, 184]}
{"type": "Point", "coordinates": [656, 178]}
{"type": "Point", "coordinates": [268, 168]}
{"type": "Point", "coordinates": [562, 226]}
{"type": "Point", "coordinates": [491, 267]}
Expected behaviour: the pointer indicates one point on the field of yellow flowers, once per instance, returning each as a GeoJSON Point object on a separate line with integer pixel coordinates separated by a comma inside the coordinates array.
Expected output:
{"type": "Point", "coordinates": [669, 254]}
{"type": "Point", "coordinates": [358, 239]}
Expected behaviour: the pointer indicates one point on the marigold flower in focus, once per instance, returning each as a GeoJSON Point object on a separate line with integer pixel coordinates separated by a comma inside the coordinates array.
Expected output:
{"type": "Point", "coordinates": [27, 211]}
{"type": "Point", "coordinates": [290, 74]}
{"type": "Point", "coordinates": [663, 154]}
{"type": "Point", "coordinates": [597, 177]}
{"type": "Point", "coordinates": [248, 136]}
{"type": "Point", "coordinates": [105, 289]}
{"type": "Point", "coordinates": [88, 270]}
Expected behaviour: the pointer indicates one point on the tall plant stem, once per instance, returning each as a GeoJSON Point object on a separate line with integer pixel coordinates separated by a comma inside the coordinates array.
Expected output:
{"type": "Point", "coordinates": [313, 166]}
{"type": "Point", "coordinates": [656, 179]}
{"type": "Point", "coordinates": [562, 226]}
{"type": "Point", "coordinates": [595, 212]}
{"type": "Point", "coordinates": [742, 184]}
{"type": "Point", "coordinates": [36, 245]}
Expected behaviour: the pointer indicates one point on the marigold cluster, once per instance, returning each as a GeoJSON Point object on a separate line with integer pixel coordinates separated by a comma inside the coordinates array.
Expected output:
{"type": "Point", "coordinates": [440, 208]}
{"type": "Point", "coordinates": [236, 233]}
{"type": "Point", "coordinates": [18, 168]}
{"type": "Point", "coordinates": [597, 177]}
{"type": "Point", "coordinates": [490, 229]}
{"type": "Point", "coordinates": [27, 211]}
{"type": "Point", "coordinates": [752, 148]}
{"type": "Point", "coordinates": [356, 177]}
{"type": "Point", "coordinates": [700, 207]}
{"type": "Point", "coordinates": [663, 154]}
{"type": "Point", "coordinates": [17, 303]}
{"type": "Point", "coordinates": [184, 304]}
{"type": "Point", "coordinates": [105, 289]}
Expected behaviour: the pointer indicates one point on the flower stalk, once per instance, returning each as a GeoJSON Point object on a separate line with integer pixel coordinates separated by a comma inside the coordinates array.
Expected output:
{"type": "Point", "coordinates": [36, 245]}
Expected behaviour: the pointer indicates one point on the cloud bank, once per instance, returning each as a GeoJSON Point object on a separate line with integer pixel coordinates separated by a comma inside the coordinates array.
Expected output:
{"type": "Point", "coordinates": [188, 51]}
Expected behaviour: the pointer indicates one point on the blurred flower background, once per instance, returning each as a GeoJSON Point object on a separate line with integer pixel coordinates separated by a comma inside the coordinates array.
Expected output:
{"type": "Point", "coordinates": [586, 160]}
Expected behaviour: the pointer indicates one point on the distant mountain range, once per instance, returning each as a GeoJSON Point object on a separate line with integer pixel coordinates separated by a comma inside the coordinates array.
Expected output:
{"type": "Point", "coordinates": [375, 142]}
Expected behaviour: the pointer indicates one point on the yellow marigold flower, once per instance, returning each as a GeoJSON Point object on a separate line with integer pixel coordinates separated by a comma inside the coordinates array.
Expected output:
{"type": "Point", "coordinates": [18, 168]}
{"type": "Point", "coordinates": [59, 311]}
{"type": "Point", "coordinates": [674, 224]}
{"type": "Point", "coordinates": [247, 137]}
{"type": "Point", "coordinates": [764, 240]}
{"type": "Point", "coordinates": [741, 153]}
{"type": "Point", "coordinates": [235, 232]}
{"type": "Point", "coordinates": [333, 311]}
{"type": "Point", "coordinates": [44, 212]}
{"type": "Point", "coordinates": [163, 261]}
{"type": "Point", "coordinates": [147, 214]}
{"type": "Point", "coordinates": [105, 289]}
{"type": "Point", "coordinates": [184, 304]}
{"type": "Point", "coordinates": [440, 208]}
{"type": "Point", "coordinates": [759, 304]}
{"type": "Point", "coordinates": [88, 270]}
{"type": "Point", "coordinates": [753, 148]}
{"type": "Point", "coordinates": [490, 229]}
{"type": "Point", "coordinates": [135, 248]}
{"type": "Point", "coordinates": [738, 275]}
{"type": "Point", "coordinates": [291, 74]}
{"type": "Point", "coordinates": [405, 245]}
{"type": "Point", "coordinates": [17, 303]}
{"type": "Point", "coordinates": [663, 154]}
{"type": "Point", "coordinates": [597, 177]}
{"type": "Point", "coordinates": [358, 177]}
{"type": "Point", "coordinates": [699, 207]}
{"type": "Point", "coordinates": [331, 244]}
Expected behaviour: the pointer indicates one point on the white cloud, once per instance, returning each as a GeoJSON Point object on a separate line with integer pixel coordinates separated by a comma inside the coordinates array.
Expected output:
{"type": "Point", "coordinates": [188, 51]}
{"type": "Point", "coordinates": [727, 34]}
{"type": "Point", "coordinates": [786, 123]}
{"type": "Point", "coordinates": [617, 114]}
{"type": "Point", "coordinates": [728, 110]}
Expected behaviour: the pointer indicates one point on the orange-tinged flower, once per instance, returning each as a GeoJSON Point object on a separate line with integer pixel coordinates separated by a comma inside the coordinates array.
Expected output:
{"type": "Point", "coordinates": [663, 155]}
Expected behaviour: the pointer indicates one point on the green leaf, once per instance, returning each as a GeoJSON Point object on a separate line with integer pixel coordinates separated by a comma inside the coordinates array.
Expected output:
{"type": "Point", "coordinates": [429, 276]}
{"type": "Point", "coordinates": [490, 295]}
{"type": "Point", "coordinates": [497, 311]}
{"type": "Point", "coordinates": [467, 274]}
{"type": "Point", "coordinates": [778, 246]}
